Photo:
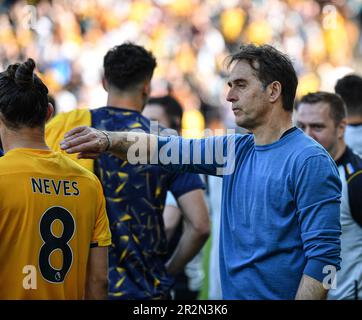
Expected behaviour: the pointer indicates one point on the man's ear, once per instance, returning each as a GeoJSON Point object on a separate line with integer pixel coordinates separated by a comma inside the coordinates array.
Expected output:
{"type": "Point", "coordinates": [50, 112]}
{"type": "Point", "coordinates": [104, 83]}
{"type": "Point", "coordinates": [146, 88]}
{"type": "Point", "coordinates": [2, 129]}
{"type": "Point", "coordinates": [274, 91]}
{"type": "Point", "coordinates": [341, 128]}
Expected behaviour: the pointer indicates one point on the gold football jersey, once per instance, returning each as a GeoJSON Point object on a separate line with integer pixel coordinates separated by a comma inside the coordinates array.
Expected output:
{"type": "Point", "coordinates": [56, 128]}
{"type": "Point", "coordinates": [52, 211]}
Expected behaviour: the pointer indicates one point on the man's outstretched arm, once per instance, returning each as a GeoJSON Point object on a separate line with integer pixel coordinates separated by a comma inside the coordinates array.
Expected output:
{"type": "Point", "coordinates": [211, 155]}
{"type": "Point", "coordinates": [90, 142]}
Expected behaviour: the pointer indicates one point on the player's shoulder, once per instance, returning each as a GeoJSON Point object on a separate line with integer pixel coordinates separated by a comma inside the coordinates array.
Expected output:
{"type": "Point", "coordinates": [244, 138]}
{"type": "Point", "coordinates": [75, 169]}
{"type": "Point", "coordinates": [232, 138]}
{"type": "Point", "coordinates": [305, 147]}
{"type": "Point", "coordinates": [302, 151]}
{"type": "Point", "coordinates": [4, 163]}
{"type": "Point", "coordinates": [62, 123]}
{"type": "Point", "coordinates": [11, 160]}
{"type": "Point", "coordinates": [117, 118]}
{"type": "Point", "coordinates": [77, 115]}
{"type": "Point", "coordinates": [136, 121]}
{"type": "Point", "coordinates": [354, 159]}
{"type": "Point", "coordinates": [352, 164]}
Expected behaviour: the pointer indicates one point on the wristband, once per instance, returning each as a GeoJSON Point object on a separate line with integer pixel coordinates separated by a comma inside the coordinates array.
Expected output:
{"type": "Point", "coordinates": [108, 139]}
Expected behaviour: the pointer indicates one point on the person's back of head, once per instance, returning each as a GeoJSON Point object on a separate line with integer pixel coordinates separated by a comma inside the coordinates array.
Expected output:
{"type": "Point", "coordinates": [270, 65]}
{"type": "Point", "coordinates": [350, 89]}
{"type": "Point", "coordinates": [23, 97]}
{"type": "Point", "coordinates": [172, 109]}
{"type": "Point", "coordinates": [127, 66]}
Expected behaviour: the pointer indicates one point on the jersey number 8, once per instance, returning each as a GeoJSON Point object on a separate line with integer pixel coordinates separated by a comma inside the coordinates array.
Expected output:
{"type": "Point", "coordinates": [52, 243]}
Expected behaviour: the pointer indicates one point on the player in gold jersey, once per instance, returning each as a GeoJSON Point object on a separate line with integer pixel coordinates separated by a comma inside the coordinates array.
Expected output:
{"type": "Point", "coordinates": [54, 230]}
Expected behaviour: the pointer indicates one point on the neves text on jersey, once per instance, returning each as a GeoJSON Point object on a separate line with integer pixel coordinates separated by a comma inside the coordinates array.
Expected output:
{"type": "Point", "coordinates": [55, 187]}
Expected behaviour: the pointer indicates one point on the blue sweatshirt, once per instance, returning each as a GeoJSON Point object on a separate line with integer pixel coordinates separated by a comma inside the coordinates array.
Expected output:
{"type": "Point", "coordinates": [280, 209]}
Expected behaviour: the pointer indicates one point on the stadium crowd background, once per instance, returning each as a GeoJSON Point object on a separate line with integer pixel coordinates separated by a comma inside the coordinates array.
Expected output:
{"type": "Point", "coordinates": [190, 39]}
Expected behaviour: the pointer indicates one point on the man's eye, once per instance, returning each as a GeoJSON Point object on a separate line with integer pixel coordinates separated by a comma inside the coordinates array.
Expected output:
{"type": "Point", "coordinates": [318, 128]}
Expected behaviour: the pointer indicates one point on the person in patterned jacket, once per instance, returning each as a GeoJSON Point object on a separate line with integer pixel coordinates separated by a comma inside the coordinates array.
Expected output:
{"type": "Point", "coordinates": [135, 194]}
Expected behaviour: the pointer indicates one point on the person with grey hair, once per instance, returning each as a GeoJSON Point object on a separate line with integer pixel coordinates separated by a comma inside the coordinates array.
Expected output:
{"type": "Point", "coordinates": [281, 192]}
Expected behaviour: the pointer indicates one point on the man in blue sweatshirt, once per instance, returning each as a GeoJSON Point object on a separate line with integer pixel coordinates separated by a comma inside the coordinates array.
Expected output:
{"type": "Point", "coordinates": [280, 228]}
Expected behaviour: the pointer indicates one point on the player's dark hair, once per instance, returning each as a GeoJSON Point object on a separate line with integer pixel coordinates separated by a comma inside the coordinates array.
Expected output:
{"type": "Point", "coordinates": [350, 89]}
{"type": "Point", "coordinates": [172, 109]}
{"type": "Point", "coordinates": [270, 65]}
{"type": "Point", "coordinates": [128, 65]}
{"type": "Point", "coordinates": [337, 108]}
{"type": "Point", "coordinates": [23, 96]}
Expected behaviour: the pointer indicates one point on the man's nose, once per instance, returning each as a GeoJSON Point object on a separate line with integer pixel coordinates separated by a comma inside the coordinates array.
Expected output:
{"type": "Point", "coordinates": [231, 96]}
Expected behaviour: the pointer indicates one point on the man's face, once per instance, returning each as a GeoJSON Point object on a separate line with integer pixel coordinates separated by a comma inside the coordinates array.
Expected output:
{"type": "Point", "coordinates": [247, 96]}
{"type": "Point", "coordinates": [156, 113]}
{"type": "Point", "coordinates": [315, 120]}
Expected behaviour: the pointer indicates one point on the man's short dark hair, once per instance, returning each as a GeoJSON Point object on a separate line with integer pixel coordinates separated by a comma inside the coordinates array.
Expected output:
{"type": "Point", "coordinates": [270, 65]}
{"type": "Point", "coordinates": [127, 65]}
{"type": "Point", "coordinates": [350, 89]}
{"type": "Point", "coordinates": [172, 109]}
{"type": "Point", "coordinates": [337, 108]}
{"type": "Point", "coordinates": [23, 96]}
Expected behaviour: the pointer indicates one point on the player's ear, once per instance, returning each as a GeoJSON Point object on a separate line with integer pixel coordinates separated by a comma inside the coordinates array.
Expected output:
{"type": "Point", "coordinates": [50, 112]}
{"type": "Point", "coordinates": [104, 83]}
{"type": "Point", "coordinates": [1, 121]}
{"type": "Point", "coordinates": [2, 129]}
{"type": "Point", "coordinates": [146, 89]}
{"type": "Point", "coordinates": [274, 90]}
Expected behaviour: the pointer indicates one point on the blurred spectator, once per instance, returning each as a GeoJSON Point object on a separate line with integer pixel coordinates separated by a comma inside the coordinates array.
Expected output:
{"type": "Point", "coordinates": [350, 89]}
{"type": "Point", "coordinates": [190, 38]}
{"type": "Point", "coordinates": [322, 115]}
{"type": "Point", "coordinates": [168, 112]}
